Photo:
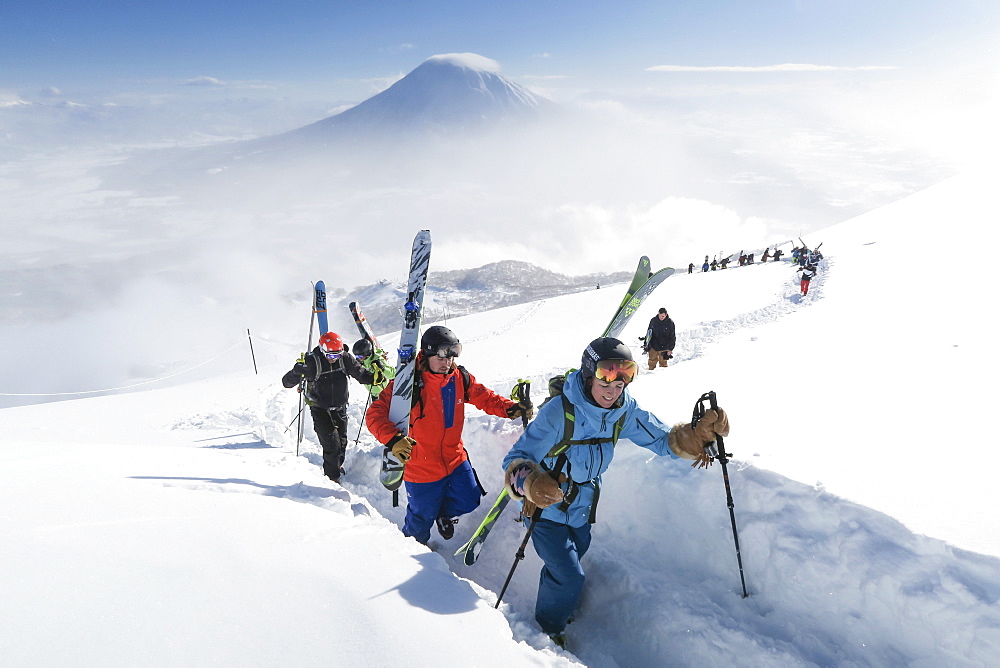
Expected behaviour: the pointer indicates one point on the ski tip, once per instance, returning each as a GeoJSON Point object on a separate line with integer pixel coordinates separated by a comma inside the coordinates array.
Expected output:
{"type": "Point", "coordinates": [391, 475]}
{"type": "Point", "coordinates": [470, 551]}
{"type": "Point", "coordinates": [391, 480]}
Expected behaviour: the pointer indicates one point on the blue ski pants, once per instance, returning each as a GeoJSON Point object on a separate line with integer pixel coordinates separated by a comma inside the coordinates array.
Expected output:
{"type": "Point", "coordinates": [561, 547]}
{"type": "Point", "coordinates": [455, 494]}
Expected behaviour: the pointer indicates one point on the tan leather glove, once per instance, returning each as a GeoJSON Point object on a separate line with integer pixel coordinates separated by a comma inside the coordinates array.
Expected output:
{"type": "Point", "coordinates": [517, 410]}
{"type": "Point", "coordinates": [402, 447]}
{"type": "Point", "coordinates": [689, 443]}
{"type": "Point", "coordinates": [540, 489]}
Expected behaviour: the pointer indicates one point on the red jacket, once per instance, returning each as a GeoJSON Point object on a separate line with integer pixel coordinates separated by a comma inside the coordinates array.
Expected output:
{"type": "Point", "coordinates": [435, 425]}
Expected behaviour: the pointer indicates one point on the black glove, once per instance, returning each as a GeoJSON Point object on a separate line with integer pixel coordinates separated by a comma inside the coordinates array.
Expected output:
{"type": "Point", "coordinates": [300, 369]}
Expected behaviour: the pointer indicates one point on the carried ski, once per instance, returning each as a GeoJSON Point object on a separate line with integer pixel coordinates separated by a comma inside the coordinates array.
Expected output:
{"type": "Point", "coordinates": [362, 322]}
{"type": "Point", "coordinates": [319, 307]}
{"type": "Point", "coordinates": [642, 273]}
{"type": "Point", "coordinates": [377, 362]}
{"type": "Point", "coordinates": [632, 304]}
{"type": "Point", "coordinates": [642, 285]}
{"type": "Point", "coordinates": [391, 475]}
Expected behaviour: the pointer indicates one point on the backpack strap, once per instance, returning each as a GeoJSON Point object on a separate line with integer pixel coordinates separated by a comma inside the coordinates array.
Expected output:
{"type": "Point", "coordinates": [560, 449]}
{"type": "Point", "coordinates": [466, 381]}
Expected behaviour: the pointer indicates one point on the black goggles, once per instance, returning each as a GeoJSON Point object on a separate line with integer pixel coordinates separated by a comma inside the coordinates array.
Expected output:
{"type": "Point", "coordinates": [448, 350]}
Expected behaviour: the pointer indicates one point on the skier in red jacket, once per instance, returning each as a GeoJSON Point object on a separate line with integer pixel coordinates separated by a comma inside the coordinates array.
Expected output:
{"type": "Point", "coordinates": [440, 482]}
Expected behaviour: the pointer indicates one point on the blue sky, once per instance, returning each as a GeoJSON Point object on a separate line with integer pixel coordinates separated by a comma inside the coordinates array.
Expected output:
{"type": "Point", "coordinates": [343, 47]}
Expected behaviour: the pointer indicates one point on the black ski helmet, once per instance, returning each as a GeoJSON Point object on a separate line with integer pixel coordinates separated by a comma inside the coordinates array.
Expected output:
{"type": "Point", "coordinates": [362, 348]}
{"type": "Point", "coordinates": [438, 338]}
{"type": "Point", "coordinates": [604, 348]}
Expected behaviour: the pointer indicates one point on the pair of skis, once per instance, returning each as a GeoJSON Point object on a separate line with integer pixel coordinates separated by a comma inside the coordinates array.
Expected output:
{"type": "Point", "coordinates": [643, 283]}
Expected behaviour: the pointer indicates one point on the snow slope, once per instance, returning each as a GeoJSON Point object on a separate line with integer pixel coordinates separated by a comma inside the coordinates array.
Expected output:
{"type": "Point", "coordinates": [177, 526]}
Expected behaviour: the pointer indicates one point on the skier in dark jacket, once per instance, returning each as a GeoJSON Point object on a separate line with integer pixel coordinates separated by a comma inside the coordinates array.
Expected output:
{"type": "Point", "coordinates": [803, 256]}
{"type": "Point", "coordinates": [660, 339]}
{"type": "Point", "coordinates": [808, 273]}
{"type": "Point", "coordinates": [324, 371]}
{"type": "Point", "coordinates": [560, 492]}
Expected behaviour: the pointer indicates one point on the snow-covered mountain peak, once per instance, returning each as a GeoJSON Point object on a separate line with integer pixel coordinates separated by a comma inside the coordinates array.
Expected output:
{"type": "Point", "coordinates": [445, 92]}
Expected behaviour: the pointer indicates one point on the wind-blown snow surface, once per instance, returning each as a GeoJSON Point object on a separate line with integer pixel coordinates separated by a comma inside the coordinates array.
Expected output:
{"type": "Point", "coordinates": [178, 527]}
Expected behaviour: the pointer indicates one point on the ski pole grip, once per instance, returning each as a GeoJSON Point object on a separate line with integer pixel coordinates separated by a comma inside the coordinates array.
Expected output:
{"type": "Point", "coordinates": [524, 396]}
{"type": "Point", "coordinates": [713, 448]}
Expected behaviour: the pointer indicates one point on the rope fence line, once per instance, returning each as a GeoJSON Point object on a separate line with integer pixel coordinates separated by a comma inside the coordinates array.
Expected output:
{"type": "Point", "coordinates": [279, 344]}
{"type": "Point", "coordinates": [239, 343]}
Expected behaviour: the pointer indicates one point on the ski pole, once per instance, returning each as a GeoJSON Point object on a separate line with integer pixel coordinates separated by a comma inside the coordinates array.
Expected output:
{"type": "Point", "coordinates": [520, 554]}
{"type": "Point", "coordinates": [302, 383]}
{"type": "Point", "coordinates": [293, 421]}
{"type": "Point", "coordinates": [362, 426]}
{"type": "Point", "coordinates": [252, 356]}
{"type": "Point", "coordinates": [717, 449]}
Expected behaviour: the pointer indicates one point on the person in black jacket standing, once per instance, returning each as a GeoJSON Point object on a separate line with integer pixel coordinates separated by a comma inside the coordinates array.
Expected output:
{"type": "Point", "coordinates": [660, 338]}
{"type": "Point", "coordinates": [325, 370]}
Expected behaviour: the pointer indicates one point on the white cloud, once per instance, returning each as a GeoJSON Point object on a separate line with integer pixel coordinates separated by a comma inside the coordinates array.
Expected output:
{"type": "Point", "coordinates": [204, 81]}
{"type": "Point", "coordinates": [9, 102]}
{"type": "Point", "coordinates": [786, 67]}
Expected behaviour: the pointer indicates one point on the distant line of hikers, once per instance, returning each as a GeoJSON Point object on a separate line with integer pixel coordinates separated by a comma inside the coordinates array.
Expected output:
{"type": "Point", "coordinates": [808, 261]}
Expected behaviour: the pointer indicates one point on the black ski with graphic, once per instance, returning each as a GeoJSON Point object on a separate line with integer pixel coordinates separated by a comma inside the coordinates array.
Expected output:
{"type": "Point", "coordinates": [391, 475]}
{"type": "Point", "coordinates": [377, 362]}
{"type": "Point", "coordinates": [642, 285]}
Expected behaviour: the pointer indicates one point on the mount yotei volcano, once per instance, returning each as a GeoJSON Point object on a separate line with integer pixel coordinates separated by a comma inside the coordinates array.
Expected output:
{"type": "Point", "coordinates": [452, 95]}
{"type": "Point", "coordinates": [446, 92]}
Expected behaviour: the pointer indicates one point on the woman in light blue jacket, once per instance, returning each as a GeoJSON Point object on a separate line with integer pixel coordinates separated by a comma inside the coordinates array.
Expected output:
{"type": "Point", "coordinates": [555, 467]}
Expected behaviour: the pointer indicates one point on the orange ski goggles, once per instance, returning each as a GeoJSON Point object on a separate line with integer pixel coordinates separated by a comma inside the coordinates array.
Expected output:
{"type": "Point", "coordinates": [612, 370]}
